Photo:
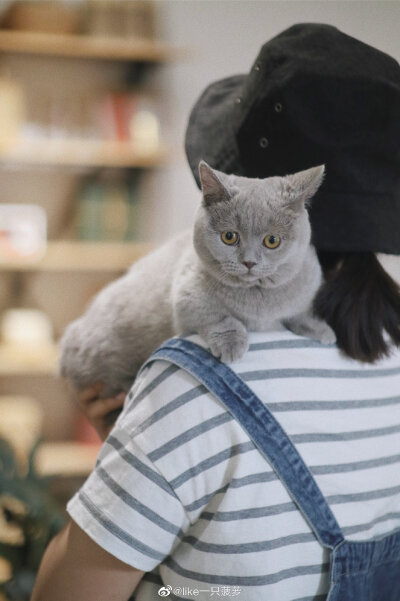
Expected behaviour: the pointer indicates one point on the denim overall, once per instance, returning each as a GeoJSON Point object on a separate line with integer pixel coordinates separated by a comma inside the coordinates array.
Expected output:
{"type": "Point", "coordinates": [359, 571]}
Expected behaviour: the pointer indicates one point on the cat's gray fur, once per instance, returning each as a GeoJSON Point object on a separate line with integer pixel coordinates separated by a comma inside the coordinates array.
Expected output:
{"type": "Point", "coordinates": [196, 283]}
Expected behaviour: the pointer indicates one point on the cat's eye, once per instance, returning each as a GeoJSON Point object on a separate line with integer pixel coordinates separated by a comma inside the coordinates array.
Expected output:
{"type": "Point", "coordinates": [271, 241]}
{"type": "Point", "coordinates": [230, 238]}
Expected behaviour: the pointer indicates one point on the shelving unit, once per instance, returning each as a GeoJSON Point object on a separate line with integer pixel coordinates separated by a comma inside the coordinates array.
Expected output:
{"type": "Point", "coordinates": [15, 361]}
{"type": "Point", "coordinates": [64, 256]}
{"type": "Point", "coordinates": [70, 255]}
{"type": "Point", "coordinates": [87, 265]}
{"type": "Point", "coordinates": [82, 153]}
{"type": "Point", "coordinates": [83, 46]}
{"type": "Point", "coordinates": [66, 459]}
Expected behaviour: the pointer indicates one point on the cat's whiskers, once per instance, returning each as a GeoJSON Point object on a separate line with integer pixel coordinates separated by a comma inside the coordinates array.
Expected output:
{"type": "Point", "coordinates": [213, 284]}
{"type": "Point", "coordinates": [217, 281]}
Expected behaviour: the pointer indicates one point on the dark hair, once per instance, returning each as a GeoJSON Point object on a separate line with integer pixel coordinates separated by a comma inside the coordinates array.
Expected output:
{"type": "Point", "coordinates": [360, 301]}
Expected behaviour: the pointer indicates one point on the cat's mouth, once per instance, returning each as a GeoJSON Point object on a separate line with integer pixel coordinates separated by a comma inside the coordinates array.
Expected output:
{"type": "Point", "coordinates": [249, 276]}
{"type": "Point", "coordinates": [251, 279]}
{"type": "Point", "coordinates": [265, 281]}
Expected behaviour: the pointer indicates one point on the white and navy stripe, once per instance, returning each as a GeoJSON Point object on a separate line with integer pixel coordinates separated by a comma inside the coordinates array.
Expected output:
{"type": "Point", "coordinates": [181, 492]}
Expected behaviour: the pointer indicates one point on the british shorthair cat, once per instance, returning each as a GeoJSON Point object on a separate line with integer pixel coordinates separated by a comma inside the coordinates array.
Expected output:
{"type": "Point", "coordinates": [247, 265]}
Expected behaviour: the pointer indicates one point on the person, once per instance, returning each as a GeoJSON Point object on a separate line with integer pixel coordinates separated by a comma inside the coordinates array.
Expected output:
{"type": "Point", "coordinates": [276, 477]}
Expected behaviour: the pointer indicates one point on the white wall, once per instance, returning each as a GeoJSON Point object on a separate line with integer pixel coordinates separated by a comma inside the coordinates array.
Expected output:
{"type": "Point", "coordinates": [224, 38]}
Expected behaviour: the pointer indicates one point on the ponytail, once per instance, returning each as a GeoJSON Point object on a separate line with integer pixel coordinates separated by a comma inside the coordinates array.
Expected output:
{"type": "Point", "coordinates": [360, 302]}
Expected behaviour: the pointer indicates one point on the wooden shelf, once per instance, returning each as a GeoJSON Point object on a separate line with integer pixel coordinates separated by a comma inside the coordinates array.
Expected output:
{"type": "Point", "coordinates": [64, 256]}
{"type": "Point", "coordinates": [66, 458]}
{"type": "Point", "coordinates": [20, 361]}
{"type": "Point", "coordinates": [81, 46]}
{"type": "Point", "coordinates": [81, 153]}
{"type": "Point", "coordinates": [82, 257]}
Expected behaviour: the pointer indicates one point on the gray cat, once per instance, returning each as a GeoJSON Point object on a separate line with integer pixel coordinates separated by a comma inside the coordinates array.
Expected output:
{"type": "Point", "coordinates": [248, 266]}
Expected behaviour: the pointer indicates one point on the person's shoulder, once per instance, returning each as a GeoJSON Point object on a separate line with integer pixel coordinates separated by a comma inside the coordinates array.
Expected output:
{"type": "Point", "coordinates": [164, 393]}
{"type": "Point", "coordinates": [162, 388]}
{"type": "Point", "coordinates": [282, 347]}
{"type": "Point", "coordinates": [165, 401]}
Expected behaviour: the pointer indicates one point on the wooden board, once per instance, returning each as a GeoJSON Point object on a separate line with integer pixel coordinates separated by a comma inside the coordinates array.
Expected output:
{"type": "Point", "coordinates": [82, 256]}
{"type": "Point", "coordinates": [66, 458]}
{"type": "Point", "coordinates": [34, 360]}
{"type": "Point", "coordinates": [82, 153]}
{"type": "Point", "coordinates": [81, 46]}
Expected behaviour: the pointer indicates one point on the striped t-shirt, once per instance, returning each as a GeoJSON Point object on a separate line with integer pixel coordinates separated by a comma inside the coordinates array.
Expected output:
{"type": "Point", "coordinates": [181, 492]}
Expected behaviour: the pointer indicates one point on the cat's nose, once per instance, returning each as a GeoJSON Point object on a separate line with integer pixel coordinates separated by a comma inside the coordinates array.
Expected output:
{"type": "Point", "coordinates": [249, 264]}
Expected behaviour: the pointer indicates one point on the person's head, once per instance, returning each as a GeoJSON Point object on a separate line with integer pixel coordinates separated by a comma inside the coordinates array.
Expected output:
{"type": "Point", "coordinates": [317, 96]}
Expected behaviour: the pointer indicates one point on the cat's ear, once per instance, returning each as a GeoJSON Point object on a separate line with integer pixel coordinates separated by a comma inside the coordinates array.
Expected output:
{"type": "Point", "coordinates": [211, 185]}
{"type": "Point", "coordinates": [299, 188]}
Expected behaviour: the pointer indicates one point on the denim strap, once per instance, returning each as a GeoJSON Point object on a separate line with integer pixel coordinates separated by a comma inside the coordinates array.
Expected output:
{"type": "Point", "coordinates": [262, 428]}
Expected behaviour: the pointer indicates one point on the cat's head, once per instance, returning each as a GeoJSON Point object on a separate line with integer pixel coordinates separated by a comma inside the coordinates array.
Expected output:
{"type": "Point", "coordinates": [248, 229]}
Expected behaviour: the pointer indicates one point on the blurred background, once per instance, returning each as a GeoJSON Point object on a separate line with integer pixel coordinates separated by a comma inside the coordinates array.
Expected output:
{"type": "Point", "coordinates": [94, 100]}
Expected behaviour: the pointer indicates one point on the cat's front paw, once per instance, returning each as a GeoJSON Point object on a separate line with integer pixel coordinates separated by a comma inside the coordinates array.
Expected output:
{"type": "Point", "coordinates": [229, 346]}
{"type": "Point", "coordinates": [324, 334]}
{"type": "Point", "coordinates": [312, 327]}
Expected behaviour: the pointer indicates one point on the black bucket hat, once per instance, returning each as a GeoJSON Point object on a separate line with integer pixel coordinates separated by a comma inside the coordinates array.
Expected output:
{"type": "Point", "coordinates": [314, 95]}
